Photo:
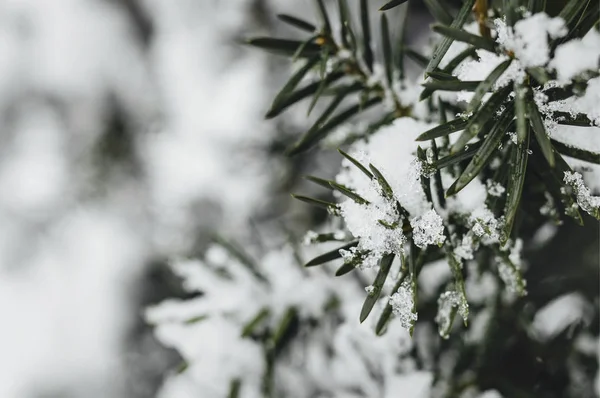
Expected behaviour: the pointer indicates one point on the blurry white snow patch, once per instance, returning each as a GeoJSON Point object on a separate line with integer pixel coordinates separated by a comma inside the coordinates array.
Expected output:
{"type": "Point", "coordinates": [559, 314]}
{"type": "Point", "coordinates": [414, 384]}
{"type": "Point", "coordinates": [432, 276]}
{"type": "Point", "coordinates": [544, 234]}
{"type": "Point", "coordinates": [480, 288]}
{"type": "Point", "coordinates": [34, 169]}
{"type": "Point", "coordinates": [211, 112]}
{"type": "Point", "coordinates": [490, 394]}
{"type": "Point", "coordinates": [478, 326]}
{"type": "Point", "coordinates": [469, 199]}
{"type": "Point", "coordinates": [69, 298]}
{"type": "Point", "coordinates": [211, 367]}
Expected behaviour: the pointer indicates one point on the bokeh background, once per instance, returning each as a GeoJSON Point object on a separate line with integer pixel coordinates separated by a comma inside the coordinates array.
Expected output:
{"type": "Point", "coordinates": [130, 131]}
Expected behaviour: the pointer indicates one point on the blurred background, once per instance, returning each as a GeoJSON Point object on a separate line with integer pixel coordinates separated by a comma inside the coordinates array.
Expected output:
{"type": "Point", "coordinates": [130, 130]}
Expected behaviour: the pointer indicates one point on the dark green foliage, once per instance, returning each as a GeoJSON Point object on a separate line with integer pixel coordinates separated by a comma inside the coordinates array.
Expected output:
{"type": "Point", "coordinates": [392, 4]}
{"type": "Point", "coordinates": [384, 269]}
{"type": "Point", "coordinates": [529, 164]}
{"type": "Point", "coordinates": [464, 36]}
{"type": "Point", "coordinates": [443, 47]}
{"type": "Point", "coordinates": [329, 256]}
{"type": "Point", "coordinates": [297, 22]}
{"type": "Point", "coordinates": [483, 154]}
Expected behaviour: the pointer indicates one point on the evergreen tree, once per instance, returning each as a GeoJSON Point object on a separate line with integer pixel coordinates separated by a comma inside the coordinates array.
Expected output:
{"type": "Point", "coordinates": [461, 228]}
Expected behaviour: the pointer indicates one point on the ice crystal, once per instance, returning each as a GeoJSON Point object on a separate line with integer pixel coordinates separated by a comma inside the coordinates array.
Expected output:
{"type": "Point", "coordinates": [402, 305]}
{"type": "Point", "coordinates": [370, 289]}
{"type": "Point", "coordinates": [371, 260]}
{"type": "Point", "coordinates": [515, 252]}
{"type": "Point", "coordinates": [348, 255]}
{"type": "Point", "coordinates": [361, 258]}
{"type": "Point", "coordinates": [510, 274]}
{"type": "Point", "coordinates": [363, 221]}
{"type": "Point", "coordinates": [310, 238]}
{"type": "Point", "coordinates": [449, 303]}
{"type": "Point", "coordinates": [484, 225]}
{"type": "Point", "coordinates": [478, 229]}
{"type": "Point", "coordinates": [585, 199]}
{"type": "Point", "coordinates": [495, 188]}
{"type": "Point", "coordinates": [466, 248]}
{"type": "Point", "coordinates": [422, 168]}
{"type": "Point", "coordinates": [428, 229]}
{"type": "Point", "coordinates": [430, 155]}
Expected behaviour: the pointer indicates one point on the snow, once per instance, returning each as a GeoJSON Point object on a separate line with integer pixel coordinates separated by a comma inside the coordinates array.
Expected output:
{"type": "Point", "coordinates": [392, 151]}
{"type": "Point", "coordinates": [458, 46]}
{"type": "Point", "coordinates": [73, 242]}
{"type": "Point", "coordinates": [428, 229]}
{"type": "Point", "coordinates": [494, 188]}
{"type": "Point", "coordinates": [70, 251]}
{"type": "Point", "coordinates": [509, 268]}
{"type": "Point", "coordinates": [490, 394]}
{"type": "Point", "coordinates": [585, 199]}
{"type": "Point", "coordinates": [402, 304]}
{"type": "Point", "coordinates": [480, 288]}
{"type": "Point", "coordinates": [478, 326]}
{"type": "Point", "coordinates": [586, 51]}
{"type": "Point", "coordinates": [212, 366]}
{"type": "Point", "coordinates": [230, 302]}
{"type": "Point", "coordinates": [446, 303]}
{"type": "Point", "coordinates": [559, 314]}
{"type": "Point", "coordinates": [362, 222]}
{"type": "Point", "coordinates": [529, 39]}
{"type": "Point", "coordinates": [480, 69]}
{"type": "Point", "coordinates": [68, 254]}
{"type": "Point", "coordinates": [466, 247]}
{"type": "Point", "coordinates": [484, 225]}
{"type": "Point", "coordinates": [414, 385]}
{"type": "Point", "coordinates": [469, 199]}
{"type": "Point", "coordinates": [588, 103]}
{"type": "Point", "coordinates": [432, 276]}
